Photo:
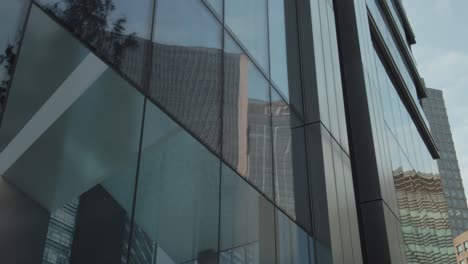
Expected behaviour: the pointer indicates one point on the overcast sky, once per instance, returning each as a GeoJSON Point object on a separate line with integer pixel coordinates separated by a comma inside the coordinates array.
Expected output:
{"type": "Point", "coordinates": [441, 52]}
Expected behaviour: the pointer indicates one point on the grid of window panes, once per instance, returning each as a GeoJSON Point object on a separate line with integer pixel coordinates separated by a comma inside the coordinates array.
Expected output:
{"type": "Point", "coordinates": [375, 8]}
{"type": "Point", "coordinates": [434, 106]}
{"type": "Point", "coordinates": [205, 159]}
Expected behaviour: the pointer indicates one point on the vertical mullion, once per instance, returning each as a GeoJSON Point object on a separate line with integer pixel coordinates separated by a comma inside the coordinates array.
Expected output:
{"type": "Point", "coordinates": [146, 83]}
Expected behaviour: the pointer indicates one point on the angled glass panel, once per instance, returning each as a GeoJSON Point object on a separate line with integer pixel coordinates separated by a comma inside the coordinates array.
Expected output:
{"type": "Point", "coordinates": [217, 5]}
{"type": "Point", "coordinates": [247, 143]}
{"type": "Point", "coordinates": [278, 56]}
{"type": "Point", "coordinates": [291, 183]}
{"type": "Point", "coordinates": [76, 151]}
{"type": "Point", "coordinates": [187, 67]}
{"type": "Point", "coordinates": [248, 20]}
{"type": "Point", "coordinates": [292, 241]}
{"type": "Point", "coordinates": [12, 15]}
{"type": "Point", "coordinates": [247, 222]}
{"type": "Point", "coordinates": [178, 193]}
{"type": "Point", "coordinates": [117, 30]}
{"type": "Point", "coordinates": [60, 55]}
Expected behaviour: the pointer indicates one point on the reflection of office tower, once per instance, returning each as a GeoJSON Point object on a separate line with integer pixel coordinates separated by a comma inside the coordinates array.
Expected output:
{"type": "Point", "coordinates": [454, 193]}
{"type": "Point", "coordinates": [60, 234]}
{"type": "Point", "coordinates": [423, 217]}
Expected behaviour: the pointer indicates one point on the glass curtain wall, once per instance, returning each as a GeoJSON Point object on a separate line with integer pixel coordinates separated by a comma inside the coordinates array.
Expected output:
{"type": "Point", "coordinates": [204, 161]}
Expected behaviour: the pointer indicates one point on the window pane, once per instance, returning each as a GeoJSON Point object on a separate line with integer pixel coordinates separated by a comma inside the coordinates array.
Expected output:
{"type": "Point", "coordinates": [187, 67]}
{"type": "Point", "coordinates": [178, 192]}
{"type": "Point", "coordinates": [247, 222]}
{"type": "Point", "coordinates": [77, 155]}
{"type": "Point", "coordinates": [247, 123]}
{"type": "Point", "coordinates": [117, 30]}
{"type": "Point", "coordinates": [12, 15]}
{"type": "Point", "coordinates": [60, 55]}
{"type": "Point", "coordinates": [252, 15]}
{"type": "Point", "coordinates": [217, 6]}
{"type": "Point", "coordinates": [278, 57]}
{"type": "Point", "coordinates": [292, 242]}
{"type": "Point", "coordinates": [291, 184]}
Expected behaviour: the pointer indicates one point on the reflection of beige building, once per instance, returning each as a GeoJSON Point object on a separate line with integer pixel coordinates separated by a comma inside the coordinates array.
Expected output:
{"type": "Point", "coordinates": [461, 248]}
{"type": "Point", "coordinates": [423, 217]}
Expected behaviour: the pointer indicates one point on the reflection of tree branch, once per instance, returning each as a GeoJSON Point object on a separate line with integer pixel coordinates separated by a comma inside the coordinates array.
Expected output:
{"type": "Point", "coordinates": [8, 59]}
{"type": "Point", "coordinates": [91, 21]}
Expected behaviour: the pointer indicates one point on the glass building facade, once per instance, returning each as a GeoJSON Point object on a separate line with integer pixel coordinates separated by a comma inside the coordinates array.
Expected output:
{"type": "Point", "coordinates": [215, 131]}
{"type": "Point", "coordinates": [436, 111]}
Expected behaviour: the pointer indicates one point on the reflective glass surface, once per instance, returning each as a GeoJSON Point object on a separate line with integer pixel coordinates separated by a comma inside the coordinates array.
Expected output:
{"type": "Point", "coordinates": [247, 142]}
{"type": "Point", "coordinates": [117, 30]}
{"type": "Point", "coordinates": [278, 56]}
{"type": "Point", "coordinates": [248, 20]}
{"type": "Point", "coordinates": [291, 192]}
{"type": "Point", "coordinates": [187, 67]}
{"type": "Point", "coordinates": [178, 192]}
{"type": "Point", "coordinates": [292, 242]}
{"type": "Point", "coordinates": [12, 15]}
{"type": "Point", "coordinates": [60, 55]}
{"type": "Point", "coordinates": [247, 222]}
{"type": "Point", "coordinates": [76, 155]}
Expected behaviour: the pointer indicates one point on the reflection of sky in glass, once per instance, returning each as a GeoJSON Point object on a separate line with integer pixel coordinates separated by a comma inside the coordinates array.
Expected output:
{"type": "Point", "coordinates": [258, 85]}
{"type": "Point", "coordinates": [186, 23]}
{"type": "Point", "coordinates": [138, 14]}
{"type": "Point", "coordinates": [248, 20]}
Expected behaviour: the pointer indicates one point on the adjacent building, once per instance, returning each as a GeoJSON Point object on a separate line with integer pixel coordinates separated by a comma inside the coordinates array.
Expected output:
{"type": "Point", "coordinates": [436, 111]}
{"type": "Point", "coordinates": [210, 131]}
{"type": "Point", "coordinates": [461, 248]}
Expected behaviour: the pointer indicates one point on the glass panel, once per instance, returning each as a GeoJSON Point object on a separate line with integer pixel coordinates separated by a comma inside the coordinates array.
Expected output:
{"type": "Point", "coordinates": [247, 222]}
{"type": "Point", "coordinates": [217, 6]}
{"type": "Point", "coordinates": [247, 144]}
{"type": "Point", "coordinates": [292, 242]}
{"type": "Point", "coordinates": [277, 34]}
{"type": "Point", "coordinates": [12, 15]}
{"type": "Point", "coordinates": [249, 22]}
{"type": "Point", "coordinates": [187, 67]}
{"type": "Point", "coordinates": [77, 155]}
{"type": "Point", "coordinates": [291, 182]}
{"type": "Point", "coordinates": [117, 30]}
{"type": "Point", "coordinates": [178, 193]}
{"type": "Point", "coordinates": [60, 55]}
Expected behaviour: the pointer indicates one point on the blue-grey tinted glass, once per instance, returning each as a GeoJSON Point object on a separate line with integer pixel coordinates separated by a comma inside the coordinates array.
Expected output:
{"type": "Point", "coordinates": [277, 34]}
{"type": "Point", "coordinates": [247, 222]}
{"type": "Point", "coordinates": [59, 55]}
{"type": "Point", "coordinates": [217, 5]}
{"type": "Point", "coordinates": [247, 144]}
{"type": "Point", "coordinates": [291, 183]}
{"type": "Point", "coordinates": [12, 15]}
{"type": "Point", "coordinates": [117, 30]}
{"type": "Point", "coordinates": [187, 66]}
{"type": "Point", "coordinates": [77, 155]}
{"type": "Point", "coordinates": [177, 198]}
{"type": "Point", "coordinates": [249, 22]}
{"type": "Point", "coordinates": [292, 241]}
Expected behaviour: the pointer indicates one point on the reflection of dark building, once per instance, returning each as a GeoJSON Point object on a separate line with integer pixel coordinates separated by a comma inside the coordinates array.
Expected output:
{"type": "Point", "coordinates": [435, 109]}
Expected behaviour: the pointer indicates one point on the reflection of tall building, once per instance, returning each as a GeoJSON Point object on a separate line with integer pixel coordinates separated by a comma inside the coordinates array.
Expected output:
{"type": "Point", "coordinates": [423, 219]}
{"type": "Point", "coordinates": [434, 107]}
{"type": "Point", "coordinates": [60, 234]}
{"type": "Point", "coordinates": [460, 244]}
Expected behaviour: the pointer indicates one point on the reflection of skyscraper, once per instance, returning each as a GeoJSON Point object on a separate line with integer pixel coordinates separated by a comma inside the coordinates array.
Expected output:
{"type": "Point", "coordinates": [423, 219]}
{"type": "Point", "coordinates": [60, 234]}
{"type": "Point", "coordinates": [454, 193]}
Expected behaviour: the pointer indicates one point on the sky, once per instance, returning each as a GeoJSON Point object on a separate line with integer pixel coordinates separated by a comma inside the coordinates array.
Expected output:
{"type": "Point", "coordinates": [441, 53]}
